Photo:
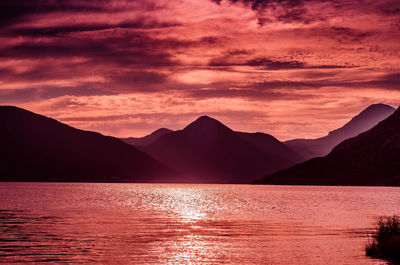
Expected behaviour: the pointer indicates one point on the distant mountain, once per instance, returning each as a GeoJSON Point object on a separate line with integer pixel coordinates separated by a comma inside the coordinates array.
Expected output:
{"type": "Point", "coordinates": [271, 146]}
{"type": "Point", "coordinates": [368, 118]}
{"type": "Point", "coordinates": [209, 152]}
{"type": "Point", "coordinates": [37, 148]}
{"type": "Point", "coordinates": [371, 158]}
{"type": "Point", "coordinates": [148, 139]}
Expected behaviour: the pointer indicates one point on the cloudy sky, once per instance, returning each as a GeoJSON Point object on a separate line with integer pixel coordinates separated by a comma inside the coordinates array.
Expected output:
{"type": "Point", "coordinates": [294, 68]}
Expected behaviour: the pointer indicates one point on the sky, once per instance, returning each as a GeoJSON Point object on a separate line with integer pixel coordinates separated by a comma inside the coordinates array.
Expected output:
{"type": "Point", "coordinates": [293, 69]}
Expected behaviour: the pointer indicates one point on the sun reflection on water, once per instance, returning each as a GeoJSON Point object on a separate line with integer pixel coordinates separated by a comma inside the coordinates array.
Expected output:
{"type": "Point", "coordinates": [187, 205]}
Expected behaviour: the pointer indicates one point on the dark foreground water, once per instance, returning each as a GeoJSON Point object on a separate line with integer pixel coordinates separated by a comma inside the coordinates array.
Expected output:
{"type": "Point", "coordinates": [189, 224]}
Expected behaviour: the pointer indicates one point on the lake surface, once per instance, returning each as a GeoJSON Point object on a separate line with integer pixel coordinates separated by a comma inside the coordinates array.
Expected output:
{"type": "Point", "coordinates": [189, 224]}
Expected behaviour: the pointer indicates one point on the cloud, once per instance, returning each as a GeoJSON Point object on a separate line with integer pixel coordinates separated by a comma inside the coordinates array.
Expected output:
{"type": "Point", "coordinates": [271, 64]}
{"type": "Point", "coordinates": [138, 81]}
{"type": "Point", "coordinates": [134, 47]}
{"type": "Point", "coordinates": [262, 4]}
{"type": "Point", "coordinates": [14, 96]}
{"type": "Point", "coordinates": [257, 92]}
{"type": "Point", "coordinates": [60, 30]}
{"type": "Point", "coordinates": [12, 12]}
{"type": "Point", "coordinates": [309, 11]}
{"type": "Point", "coordinates": [388, 81]}
{"type": "Point", "coordinates": [284, 11]}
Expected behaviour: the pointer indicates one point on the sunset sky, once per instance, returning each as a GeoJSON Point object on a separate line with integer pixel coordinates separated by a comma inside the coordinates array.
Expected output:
{"type": "Point", "coordinates": [125, 68]}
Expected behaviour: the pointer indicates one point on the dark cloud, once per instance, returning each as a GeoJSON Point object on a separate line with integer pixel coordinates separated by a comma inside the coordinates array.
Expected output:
{"type": "Point", "coordinates": [262, 4]}
{"type": "Point", "coordinates": [15, 11]}
{"type": "Point", "coordinates": [235, 52]}
{"type": "Point", "coordinates": [270, 64]}
{"type": "Point", "coordinates": [298, 15]}
{"type": "Point", "coordinates": [135, 48]}
{"type": "Point", "coordinates": [115, 81]}
{"type": "Point", "coordinates": [389, 81]}
{"type": "Point", "coordinates": [317, 74]}
{"type": "Point", "coordinates": [54, 31]}
{"type": "Point", "coordinates": [264, 20]}
{"type": "Point", "coordinates": [290, 11]}
{"type": "Point", "coordinates": [273, 64]}
{"type": "Point", "coordinates": [210, 39]}
{"type": "Point", "coordinates": [104, 117]}
{"type": "Point", "coordinates": [346, 34]}
{"type": "Point", "coordinates": [387, 8]}
{"type": "Point", "coordinates": [302, 11]}
{"type": "Point", "coordinates": [41, 72]}
{"type": "Point", "coordinates": [12, 96]}
{"type": "Point", "coordinates": [276, 84]}
{"type": "Point", "coordinates": [138, 81]}
{"type": "Point", "coordinates": [351, 32]}
{"type": "Point", "coordinates": [248, 93]}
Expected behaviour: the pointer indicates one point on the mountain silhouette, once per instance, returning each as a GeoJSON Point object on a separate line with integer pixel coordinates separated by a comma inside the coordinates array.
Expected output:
{"type": "Point", "coordinates": [209, 152]}
{"type": "Point", "coordinates": [371, 158]}
{"type": "Point", "coordinates": [37, 148]}
{"type": "Point", "coordinates": [148, 139]}
{"type": "Point", "coordinates": [368, 118]}
{"type": "Point", "coordinates": [271, 146]}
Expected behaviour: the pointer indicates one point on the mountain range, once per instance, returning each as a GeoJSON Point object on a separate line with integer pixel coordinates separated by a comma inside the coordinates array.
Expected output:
{"type": "Point", "coordinates": [368, 118]}
{"type": "Point", "coordinates": [37, 148]}
{"type": "Point", "coordinates": [148, 139]}
{"type": "Point", "coordinates": [371, 158]}
{"type": "Point", "coordinates": [208, 151]}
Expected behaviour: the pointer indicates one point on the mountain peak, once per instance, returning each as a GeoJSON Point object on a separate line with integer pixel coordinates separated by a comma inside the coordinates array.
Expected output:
{"type": "Point", "coordinates": [362, 122]}
{"type": "Point", "coordinates": [370, 158]}
{"type": "Point", "coordinates": [206, 118]}
{"type": "Point", "coordinates": [205, 123]}
{"type": "Point", "coordinates": [379, 107]}
{"type": "Point", "coordinates": [208, 151]}
{"type": "Point", "coordinates": [161, 131]}
{"type": "Point", "coordinates": [148, 139]}
{"type": "Point", "coordinates": [365, 120]}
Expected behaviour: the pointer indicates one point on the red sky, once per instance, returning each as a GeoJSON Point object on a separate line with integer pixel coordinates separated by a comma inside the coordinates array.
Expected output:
{"type": "Point", "coordinates": [125, 68]}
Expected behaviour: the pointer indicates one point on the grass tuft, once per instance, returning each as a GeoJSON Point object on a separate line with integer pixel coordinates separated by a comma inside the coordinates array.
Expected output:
{"type": "Point", "coordinates": [385, 243]}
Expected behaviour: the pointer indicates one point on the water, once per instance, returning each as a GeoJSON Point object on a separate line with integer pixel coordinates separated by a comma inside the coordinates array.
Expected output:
{"type": "Point", "coordinates": [189, 224]}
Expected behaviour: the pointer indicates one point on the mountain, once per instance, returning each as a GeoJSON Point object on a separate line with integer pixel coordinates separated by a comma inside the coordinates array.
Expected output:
{"type": "Point", "coordinates": [209, 152]}
{"type": "Point", "coordinates": [37, 148]}
{"type": "Point", "coordinates": [148, 139]}
{"type": "Point", "coordinates": [371, 158]}
{"type": "Point", "coordinates": [368, 118]}
{"type": "Point", "coordinates": [271, 146]}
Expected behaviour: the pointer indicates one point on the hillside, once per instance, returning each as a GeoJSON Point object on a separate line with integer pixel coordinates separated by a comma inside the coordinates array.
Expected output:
{"type": "Point", "coordinates": [209, 152]}
{"type": "Point", "coordinates": [368, 118]}
{"type": "Point", "coordinates": [37, 148]}
{"type": "Point", "coordinates": [371, 158]}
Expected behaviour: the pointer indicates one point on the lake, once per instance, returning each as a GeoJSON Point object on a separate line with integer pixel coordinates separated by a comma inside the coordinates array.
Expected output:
{"type": "Point", "coordinates": [189, 223]}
